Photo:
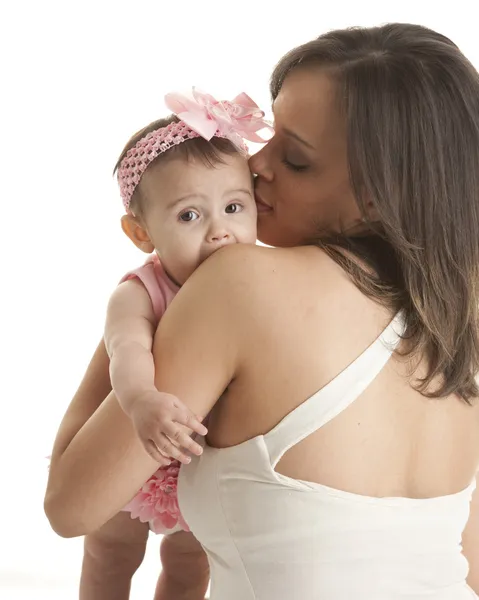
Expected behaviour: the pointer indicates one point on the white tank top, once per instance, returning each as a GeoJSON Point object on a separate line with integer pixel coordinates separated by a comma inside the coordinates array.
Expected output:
{"type": "Point", "coordinates": [270, 537]}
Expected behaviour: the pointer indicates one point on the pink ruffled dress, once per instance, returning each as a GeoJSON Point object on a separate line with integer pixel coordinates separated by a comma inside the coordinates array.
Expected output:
{"type": "Point", "coordinates": [157, 502]}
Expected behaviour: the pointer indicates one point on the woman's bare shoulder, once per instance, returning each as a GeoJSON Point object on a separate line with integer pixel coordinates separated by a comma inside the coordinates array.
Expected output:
{"type": "Point", "coordinates": [241, 273]}
{"type": "Point", "coordinates": [243, 263]}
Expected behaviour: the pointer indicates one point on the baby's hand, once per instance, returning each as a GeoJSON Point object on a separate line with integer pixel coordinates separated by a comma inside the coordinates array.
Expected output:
{"type": "Point", "coordinates": [164, 425]}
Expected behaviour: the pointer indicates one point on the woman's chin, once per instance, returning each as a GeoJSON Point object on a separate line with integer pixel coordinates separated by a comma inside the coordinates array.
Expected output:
{"type": "Point", "coordinates": [268, 233]}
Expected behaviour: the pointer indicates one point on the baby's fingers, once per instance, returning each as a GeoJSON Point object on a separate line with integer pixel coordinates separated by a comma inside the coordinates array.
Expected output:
{"type": "Point", "coordinates": [167, 448]}
{"type": "Point", "coordinates": [185, 441]}
{"type": "Point", "coordinates": [196, 425]}
{"type": "Point", "coordinates": [155, 453]}
{"type": "Point", "coordinates": [180, 436]}
{"type": "Point", "coordinates": [185, 417]}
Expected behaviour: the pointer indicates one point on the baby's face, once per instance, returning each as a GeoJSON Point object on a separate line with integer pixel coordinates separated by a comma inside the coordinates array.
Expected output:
{"type": "Point", "coordinates": [193, 210]}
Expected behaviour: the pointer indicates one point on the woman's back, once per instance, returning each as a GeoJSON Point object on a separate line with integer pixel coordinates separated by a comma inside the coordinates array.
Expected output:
{"type": "Point", "coordinates": [309, 322]}
{"type": "Point", "coordinates": [354, 506]}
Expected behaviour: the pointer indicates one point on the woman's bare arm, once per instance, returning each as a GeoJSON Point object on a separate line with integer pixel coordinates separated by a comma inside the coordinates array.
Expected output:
{"type": "Point", "coordinates": [197, 350]}
{"type": "Point", "coordinates": [66, 482]}
{"type": "Point", "coordinates": [98, 473]}
{"type": "Point", "coordinates": [92, 391]}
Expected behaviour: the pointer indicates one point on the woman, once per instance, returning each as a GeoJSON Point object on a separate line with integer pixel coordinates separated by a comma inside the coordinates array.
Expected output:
{"type": "Point", "coordinates": [369, 189]}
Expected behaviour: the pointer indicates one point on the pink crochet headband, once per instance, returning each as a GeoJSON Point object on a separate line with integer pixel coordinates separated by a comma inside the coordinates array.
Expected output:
{"type": "Point", "coordinates": [200, 116]}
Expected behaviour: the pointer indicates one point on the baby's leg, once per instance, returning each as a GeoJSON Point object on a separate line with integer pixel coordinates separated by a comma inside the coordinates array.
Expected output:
{"type": "Point", "coordinates": [185, 571]}
{"type": "Point", "coordinates": [111, 556]}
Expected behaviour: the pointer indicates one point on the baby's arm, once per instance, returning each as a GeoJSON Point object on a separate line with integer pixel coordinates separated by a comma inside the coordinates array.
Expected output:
{"type": "Point", "coordinates": [129, 330]}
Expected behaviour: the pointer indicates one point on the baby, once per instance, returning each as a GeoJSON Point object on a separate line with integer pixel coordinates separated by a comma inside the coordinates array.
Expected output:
{"type": "Point", "coordinates": [187, 192]}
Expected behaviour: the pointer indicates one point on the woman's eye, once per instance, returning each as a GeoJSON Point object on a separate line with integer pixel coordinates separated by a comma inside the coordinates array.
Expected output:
{"type": "Point", "coordinates": [188, 216]}
{"type": "Point", "coordinates": [234, 207]}
{"type": "Point", "coordinates": [294, 166]}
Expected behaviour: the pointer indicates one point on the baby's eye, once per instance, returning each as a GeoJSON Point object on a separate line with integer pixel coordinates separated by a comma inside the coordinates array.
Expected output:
{"type": "Point", "coordinates": [189, 215]}
{"type": "Point", "coordinates": [234, 207]}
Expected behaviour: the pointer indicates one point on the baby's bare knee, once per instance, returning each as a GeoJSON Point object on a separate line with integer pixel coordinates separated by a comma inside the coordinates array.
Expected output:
{"type": "Point", "coordinates": [118, 546]}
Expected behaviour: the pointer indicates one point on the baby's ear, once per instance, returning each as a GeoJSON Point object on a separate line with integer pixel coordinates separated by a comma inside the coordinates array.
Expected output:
{"type": "Point", "coordinates": [137, 233]}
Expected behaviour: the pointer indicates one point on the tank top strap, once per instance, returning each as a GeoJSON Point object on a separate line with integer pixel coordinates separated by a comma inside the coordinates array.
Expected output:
{"type": "Point", "coordinates": [337, 395]}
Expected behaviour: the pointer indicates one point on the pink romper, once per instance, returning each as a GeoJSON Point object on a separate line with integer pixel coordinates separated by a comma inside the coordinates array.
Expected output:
{"type": "Point", "coordinates": [156, 503]}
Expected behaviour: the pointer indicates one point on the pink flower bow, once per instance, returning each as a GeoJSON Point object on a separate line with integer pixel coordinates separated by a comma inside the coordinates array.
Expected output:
{"type": "Point", "coordinates": [236, 120]}
{"type": "Point", "coordinates": [157, 501]}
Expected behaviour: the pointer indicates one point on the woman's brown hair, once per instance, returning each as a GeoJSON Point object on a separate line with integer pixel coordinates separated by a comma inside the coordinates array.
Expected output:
{"type": "Point", "coordinates": [411, 101]}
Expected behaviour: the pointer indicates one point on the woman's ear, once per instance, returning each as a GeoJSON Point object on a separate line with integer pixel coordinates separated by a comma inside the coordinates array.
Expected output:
{"type": "Point", "coordinates": [137, 233]}
{"type": "Point", "coordinates": [371, 212]}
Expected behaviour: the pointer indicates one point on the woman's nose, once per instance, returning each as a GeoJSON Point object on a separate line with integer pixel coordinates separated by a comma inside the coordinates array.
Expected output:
{"type": "Point", "coordinates": [260, 166]}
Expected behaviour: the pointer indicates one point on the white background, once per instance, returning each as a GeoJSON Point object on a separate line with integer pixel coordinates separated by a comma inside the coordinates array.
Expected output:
{"type": "Point", "coordinates": [78, 78]}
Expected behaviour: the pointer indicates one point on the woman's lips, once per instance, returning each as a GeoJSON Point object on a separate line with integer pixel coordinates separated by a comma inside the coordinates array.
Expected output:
{"type": "Point", "coordinates": [261, 206]}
